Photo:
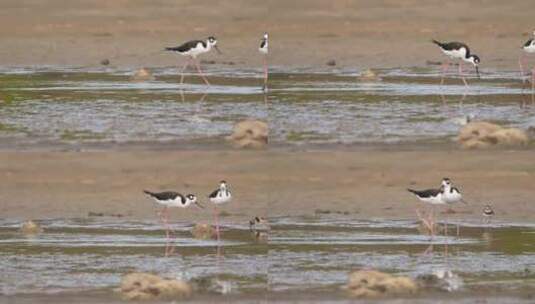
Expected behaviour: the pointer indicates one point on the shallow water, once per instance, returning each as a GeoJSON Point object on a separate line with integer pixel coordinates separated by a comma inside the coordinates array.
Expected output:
{"type": "Point", "coordinates": [53, 105]}
{"type": "Point", "coordinates": [303, 254]}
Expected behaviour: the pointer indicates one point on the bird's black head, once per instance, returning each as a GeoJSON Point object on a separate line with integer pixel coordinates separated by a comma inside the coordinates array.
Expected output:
{"type": "Point", "coordinates": [212, 42]}
{"type": "Point", "coordinates": [475, 59]}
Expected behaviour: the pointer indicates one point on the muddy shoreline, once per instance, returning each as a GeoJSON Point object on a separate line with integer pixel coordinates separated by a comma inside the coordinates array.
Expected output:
{"type": "Point", "coordinates": [360, 33]}
{"type": "Point", "coordinates": [363, 183]}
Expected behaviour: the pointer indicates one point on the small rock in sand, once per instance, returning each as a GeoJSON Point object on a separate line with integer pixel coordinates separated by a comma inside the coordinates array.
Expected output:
{"type": "Point", "coordinates": [481, 135]}
{"type": "Point", "coordinates": [142, 74]}
{"type": "Point", "coordinates": [30, 227]}
{"type": "Point", "coordinates": [105, 62]}
{"type": "Point", "coordinates": [368, 75]}
{"type": "Point", "coordinates": [373, 284]}
{"type": "Point", "coordinates": [203, 232]}
{"type": "Point", "coordinates": [250, 134]}
{"type": "Point", "coordinates": [331, 62]}
{"type": "Point", "coordinates": [208, 61]}
{"type": "Point", "coordinates": [146, 286]}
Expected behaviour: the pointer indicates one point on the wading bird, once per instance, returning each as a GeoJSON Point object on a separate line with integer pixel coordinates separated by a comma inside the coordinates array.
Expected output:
{"type": "Point", "coordinates": [192, 49]}
{"type": "Point", "coordinates": [457, 50]}
{"type": "Point", "coordinates": [218, 197]}
{"type": "Point", "coordinates": [528, 47]}
{"type": "Point", "coordinates": [171, 199]}
{"type": "Point", "coordinates": [263, 49]}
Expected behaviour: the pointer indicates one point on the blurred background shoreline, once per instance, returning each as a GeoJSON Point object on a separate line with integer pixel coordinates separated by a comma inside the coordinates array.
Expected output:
{"type": "Point", "coordinates": [361, 34]}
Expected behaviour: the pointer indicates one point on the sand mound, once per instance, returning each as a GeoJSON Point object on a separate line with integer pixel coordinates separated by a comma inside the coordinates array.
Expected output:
{"type": "Point", "coordinates": [371, 284]}
{"type": "Point", "coordinates": [368, 76]}
{"type": "Point", "coordinates": [30, 227]}
{"type": "Point", "coordinates": [481, 135]}
{"type": "Point", "coordinates": [142, 74]}
{"type": "Point", "coordinates": [203, 232]}
{"type": "Point", "coordinates": [250, 134]}
{"type": "Point", "coordinates": [146, 286]}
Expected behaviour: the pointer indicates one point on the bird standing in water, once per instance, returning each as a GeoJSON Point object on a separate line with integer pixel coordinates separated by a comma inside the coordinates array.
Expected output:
{"type": "Point", "coordinates": [263, 49]}
{"type": "Point", "coordinates": [457, 50]}
{"type": "Point", "coordinates": [528, 47]}
{"type": "Point", "coordinates": [218, 197]}
{"type": "Point", "coordinates": [170, 199]}
{"type": "Point", "coordinates": [488, 213]}
{"type": "Point", "coordinates": [192, 49]}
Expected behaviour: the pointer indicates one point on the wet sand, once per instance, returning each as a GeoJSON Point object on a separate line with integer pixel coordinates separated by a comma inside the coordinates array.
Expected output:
{"type": "Point", "coordinates": [360, 34]}
{"type": "Point", "coordinates": [361, 183]}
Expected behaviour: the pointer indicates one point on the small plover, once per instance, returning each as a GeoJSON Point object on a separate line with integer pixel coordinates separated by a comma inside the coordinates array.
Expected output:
{"type": "Point", "coordinates": [220, 196]}
{"type": "Point", "coordinates": [458, 50]}
{"type": "Point", "coordinates": [488, 213]}
{"type": "Point", "coordinates": [192, 49]}
{"type": "Point", "coordinates": [259, 223]}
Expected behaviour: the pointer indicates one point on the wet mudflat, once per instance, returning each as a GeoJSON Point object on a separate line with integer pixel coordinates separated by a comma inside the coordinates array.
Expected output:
{"type": "Point", "coordinates": [302, 107]}
{"type": "Point", "coordinates": [299, 254]}
{"type": "Point", "coordinates": [300, 258]}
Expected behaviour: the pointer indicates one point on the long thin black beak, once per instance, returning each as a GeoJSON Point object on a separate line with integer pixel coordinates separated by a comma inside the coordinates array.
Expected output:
{"type": "Point", "coordinates": [477, 72]}
{"type": "Point", "coordinates": [217, 49]}
{"type": "Point", "coordinates": [199, 205]}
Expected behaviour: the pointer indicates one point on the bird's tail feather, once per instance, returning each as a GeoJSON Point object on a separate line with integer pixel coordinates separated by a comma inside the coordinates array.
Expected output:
{"type": "Point", "coordinates": [437, 42]}
{"type": "Point", "coordinates": [412, 191]}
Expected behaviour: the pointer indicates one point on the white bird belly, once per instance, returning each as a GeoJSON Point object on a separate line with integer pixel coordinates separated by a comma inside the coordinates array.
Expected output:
{"type": "Point", "coordinates": [194, 52]}
{"type": "Point", "coordinates": [218, 200]}
{"type": "Point", "coordinates": [456, 54]}
{"type": "Point", "coordinates": [451, 198]}
{"type": "Point", "coordinates": [432, 200]}
{"type": "Point", "coordinates": [530, 49]}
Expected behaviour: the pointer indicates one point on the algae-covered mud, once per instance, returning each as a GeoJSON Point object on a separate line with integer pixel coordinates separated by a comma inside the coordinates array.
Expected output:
{"type": "Point", "coordinates": [310, 255]}
{"type": "Point", "coordinates": [48, 105]}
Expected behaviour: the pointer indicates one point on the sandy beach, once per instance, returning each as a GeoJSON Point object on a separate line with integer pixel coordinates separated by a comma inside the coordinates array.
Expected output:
{"type": "Point", "coordinates": [356, 34]}
{"type": "Point", "coordinates": [360, 183]}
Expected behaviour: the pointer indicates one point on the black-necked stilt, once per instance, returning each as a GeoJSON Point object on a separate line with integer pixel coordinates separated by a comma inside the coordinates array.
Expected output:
{"type": "Point", "coordinates": [488, 213]}
{"type": "Point", "coordinates": [450, 194]}
{"type": "Point", "coordinates": [219, 196]}
{"type": "Point", "coordinates": [458, 50]}
{"type": "Point", "coordinates": [170, 199]}
{"type": "Point", "coordinates": [430, 196]}
{"type": "Point", "coordinates": [433, 197]}
{"type": "Point", "coordinates": [192, 49]}
{"type": "Point", "coordinates": [528, 47]}
{"type": "Point", "coordinates": [263, 49]}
